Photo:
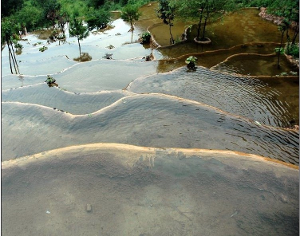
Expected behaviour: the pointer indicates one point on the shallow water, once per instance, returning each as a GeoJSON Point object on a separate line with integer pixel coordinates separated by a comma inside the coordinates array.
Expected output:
{"type": "Point", "coordinates": [246, 97]}
{"type": "Point", "coordinates": [150, 120]}
{"type": "Point", "coordinates": [201, 138]}
{"type": "Point", "coordinates": [113, 189]}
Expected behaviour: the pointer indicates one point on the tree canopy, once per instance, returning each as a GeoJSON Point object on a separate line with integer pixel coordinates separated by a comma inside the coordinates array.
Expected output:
{"type": "Point", "coordinates": [130, 13]}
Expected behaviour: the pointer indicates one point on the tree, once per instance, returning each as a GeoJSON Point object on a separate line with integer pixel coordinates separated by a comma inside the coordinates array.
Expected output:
{"type": "Point", "coordinates": [289, 10]}
{"type": "Point", "coordinates": [9, 33]}
{"type": "Point", "coordinates": [97, 18]}
{"type": "Point", "coordinates": [166, 12]}
{"type": "Point", "coordinates": [282, 28]}
{"type": "Point", "coordinates": [29, 15]}
{"type": "Point", "coordinates": [78, 30]}
{"type": "Point", "coordinates": [204, 10]}
{"type": "Point", "coordinates": [130, 13]}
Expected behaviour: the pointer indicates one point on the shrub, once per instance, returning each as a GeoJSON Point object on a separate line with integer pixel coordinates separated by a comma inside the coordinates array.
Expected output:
{"type": "Point", "coordinates": [145, 38]}
{"type": "Point", "coordinates": [292, 50]}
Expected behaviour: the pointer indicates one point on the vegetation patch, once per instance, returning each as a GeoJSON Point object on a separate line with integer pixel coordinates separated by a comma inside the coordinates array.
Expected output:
{"type": "Point", "coordinates": [84, 57]}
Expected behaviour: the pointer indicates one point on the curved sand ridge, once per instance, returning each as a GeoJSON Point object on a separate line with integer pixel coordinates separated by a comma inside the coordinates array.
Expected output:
{"type": "Point", "coordinates": [122, 189]}
{"type": "Point", "coordinates": [145, 120]}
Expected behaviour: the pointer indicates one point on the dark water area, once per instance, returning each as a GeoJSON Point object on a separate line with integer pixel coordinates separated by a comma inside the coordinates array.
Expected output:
{"type": "Point", "coordinates": [246, 97]}
{"type": "Point", "coordinates": [248, 64]}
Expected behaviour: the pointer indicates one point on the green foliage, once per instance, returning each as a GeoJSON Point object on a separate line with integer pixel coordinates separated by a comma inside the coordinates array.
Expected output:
{"type": "Point", "coordinates": [146, 36]}
{"type": "Point", "coordinates": [166, 11]}
{"type": "Point", "coordinates": [191, 59]}
{"type": "Point", "coordinates": [30, 15]}
{"type": "Point", "coordinates": [293, 50]}
{"type": "Point", "coordinates": [9, 7]}
{"type": "Point", "coordinates": [97, 18]}
{"type": "Point", "coordinates": [191, 62]}
{"type": "Point", "coordinates": [130, 13]}
{"type": "Point", "coordinates": [50, 80]}
{"type": "Point", "coordinates": [279, 50]}
{"type": "Point", "coordinates": [9, 29]}
{"type": "Point", "coordinates": [203, 10]}
{"type": "Point", "coordinates": [77, 29]}
{"type": "Point", "coordinates": [42, 49]}
{"type": "Point", "coordinates": [18, 45]}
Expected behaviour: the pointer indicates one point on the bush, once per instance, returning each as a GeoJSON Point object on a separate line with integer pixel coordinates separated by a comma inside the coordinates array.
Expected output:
{"type": "Point", "coordinates": [84, 57]}
{"type": "Point", "coordinates": [292, 50]}
{"type": "Point", "coordinates": [145, 38]}
{"type": "Point", "coordinates": [42, 49]}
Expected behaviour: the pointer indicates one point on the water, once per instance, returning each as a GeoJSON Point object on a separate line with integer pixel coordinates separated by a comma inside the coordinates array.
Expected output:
{"type": "Point", "coordinates": [150, 147]}
{"type": "Point", "coordinates": [148, 191]}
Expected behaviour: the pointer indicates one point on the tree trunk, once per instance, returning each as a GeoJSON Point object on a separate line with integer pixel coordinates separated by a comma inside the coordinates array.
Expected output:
{"type": "Point", "coordinates": [14, 59]}
{"type": "Point", "coordinates": [278, 65]}
{"type": "Point", "coordinates": [9, 52]}
{"type": "Point", "coordinates": [204, 26]}
{"type": "Point", "coordinates": [296, 31]}
{"type": "Point", "coordinates": [170, 28]}
{"type": "Point", "coordinates": [9, 57]}
{"type": "Point", "coordinates": [79, 47]}
{"type": "Point", "coordinates": [132, 28]}
{"type": "Point", "coordinates": [199, 24]}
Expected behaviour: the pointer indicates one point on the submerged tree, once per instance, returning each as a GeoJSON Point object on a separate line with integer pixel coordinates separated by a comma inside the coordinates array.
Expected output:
{"type": "Point", "coordinates": [78, 30]}
{"type": "Point", "coordinates": [204, 10]}
{"type": "Point", "coordinates": [166, 12]}
{"type": "Point", "coordinates": [9, 34]}
{"type": "Point", "coordinates": [130, 13]}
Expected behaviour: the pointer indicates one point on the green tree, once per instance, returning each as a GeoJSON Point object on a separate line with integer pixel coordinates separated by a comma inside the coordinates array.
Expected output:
{"type": "Point", "coordinates": [9, 7]}
{"type": "Point", "coordinates": [282, 28]}
{"type": "Point", "coordinates": [288, 9]}
{"type": "Point", "coordinates": [166, 12]}
{"type": "Point", "coordinates": [78, 30]}
{"type": "Point", "coordinates": [203, 10]}
{"type": "Point", "coordinates": [30, 15]}
{"type": "Point", "coordinates": [97, 18]}
{"type": "Point", "coordinates": [9, 29]}
{"type": "Point", "coordinates": [130, 13]}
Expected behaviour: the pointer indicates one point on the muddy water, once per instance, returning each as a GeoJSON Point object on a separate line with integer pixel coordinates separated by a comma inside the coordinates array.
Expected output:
{"type": "Point", "coordinates": [248, 64]}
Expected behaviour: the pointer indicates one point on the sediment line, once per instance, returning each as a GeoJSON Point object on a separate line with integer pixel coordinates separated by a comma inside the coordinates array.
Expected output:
{"type": "Point", "coordinates": [145, 150]}
{"type": "Point", "coordinates": [161, 95]}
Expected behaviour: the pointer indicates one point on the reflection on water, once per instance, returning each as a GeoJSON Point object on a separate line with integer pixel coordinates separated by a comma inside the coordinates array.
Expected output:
{"type": "Point", "coordinates": [116, 189]}
{"type": "Point", "coordinates": [256, 65]}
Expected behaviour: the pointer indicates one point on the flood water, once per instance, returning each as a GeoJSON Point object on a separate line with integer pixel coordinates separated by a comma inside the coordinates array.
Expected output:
{"type": "Point", "coordinates": [148, 144]}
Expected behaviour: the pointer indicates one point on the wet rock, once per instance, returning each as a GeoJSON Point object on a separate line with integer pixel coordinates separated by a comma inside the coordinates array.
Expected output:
{"type": "Point", "coordinates": [88, 207]}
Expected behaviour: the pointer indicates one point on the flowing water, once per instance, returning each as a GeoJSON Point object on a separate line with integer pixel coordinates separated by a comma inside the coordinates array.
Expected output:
{"type": "Point", "coordinates": [201, 138]}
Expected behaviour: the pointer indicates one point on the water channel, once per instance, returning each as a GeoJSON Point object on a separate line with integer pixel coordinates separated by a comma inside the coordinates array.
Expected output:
{"type": "Point", "coordinates": [137, 142]}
